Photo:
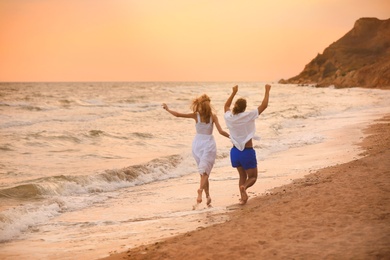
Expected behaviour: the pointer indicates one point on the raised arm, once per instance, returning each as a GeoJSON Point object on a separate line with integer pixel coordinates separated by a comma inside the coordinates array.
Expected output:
{"type": "Point", "coordinates": [177, 114]}
{"type": "Point", "coordinates": [220, 130]}
{"type": "Point", "coordinates": [264, 104]}
{"type": "Point", "coordinates": [228, 102]}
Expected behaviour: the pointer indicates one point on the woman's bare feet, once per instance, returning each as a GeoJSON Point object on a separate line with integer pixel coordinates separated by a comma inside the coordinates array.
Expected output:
{"type": "Point", "coordinates": [244, 195]}
{"type": "Point", "coordinates": [199, 199]}
{"type": "Point", "coordinates": [208, 201]}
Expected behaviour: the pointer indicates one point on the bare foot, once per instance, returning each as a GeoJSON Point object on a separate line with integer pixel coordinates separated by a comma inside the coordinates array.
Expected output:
{"type": "Point", "coordinates": [199, 199]}
{"type": "Point", "coordinates": [244, 196]}
{"type": "Point", "coordinates": [208, 200]}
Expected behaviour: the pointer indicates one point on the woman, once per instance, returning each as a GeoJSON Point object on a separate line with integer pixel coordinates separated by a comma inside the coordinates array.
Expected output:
{"type": "Point", "coordinates": [204, 148]}
{"type": "Point", "coordinates": [242, 129]}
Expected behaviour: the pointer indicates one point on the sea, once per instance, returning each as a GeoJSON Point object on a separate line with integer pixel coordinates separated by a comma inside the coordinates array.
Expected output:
{"type": "Point", "coordinates": [94, 168]}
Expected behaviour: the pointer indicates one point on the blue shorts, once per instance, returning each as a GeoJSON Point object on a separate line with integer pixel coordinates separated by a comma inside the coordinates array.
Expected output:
{"type": "Point", "coordinates": [246, 159]}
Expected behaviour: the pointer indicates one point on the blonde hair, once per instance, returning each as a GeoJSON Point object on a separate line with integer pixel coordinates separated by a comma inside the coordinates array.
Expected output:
{"type": "Point", "coordinates": [203, 107]}
{"type": "Point", "coordinates": [239, 106]}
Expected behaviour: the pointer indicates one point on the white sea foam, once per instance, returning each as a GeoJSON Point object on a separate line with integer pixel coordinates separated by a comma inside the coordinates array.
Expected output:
{"type": "Point", "coordinates": [69, 193]}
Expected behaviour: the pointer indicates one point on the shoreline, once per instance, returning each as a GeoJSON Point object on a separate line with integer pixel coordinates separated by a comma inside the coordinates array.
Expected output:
{"type": "Point", "coordinates": [340, 211]}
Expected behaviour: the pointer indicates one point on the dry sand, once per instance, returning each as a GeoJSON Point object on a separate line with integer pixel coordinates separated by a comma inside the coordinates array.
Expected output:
{"type": "Point", "coordinates": [340, 212]}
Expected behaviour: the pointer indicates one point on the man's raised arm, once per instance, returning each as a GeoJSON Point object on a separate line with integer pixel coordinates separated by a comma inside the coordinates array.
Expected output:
{"type": "Point", "coordinates": [264, 104]}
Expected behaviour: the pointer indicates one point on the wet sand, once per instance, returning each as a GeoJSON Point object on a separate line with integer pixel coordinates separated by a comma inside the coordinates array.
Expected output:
{"type": "Point", "coordinates": [339, 212]}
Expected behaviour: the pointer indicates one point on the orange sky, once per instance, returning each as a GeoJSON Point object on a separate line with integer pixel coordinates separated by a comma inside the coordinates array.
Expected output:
{"type": "Point", "coordinates": [174, 40]}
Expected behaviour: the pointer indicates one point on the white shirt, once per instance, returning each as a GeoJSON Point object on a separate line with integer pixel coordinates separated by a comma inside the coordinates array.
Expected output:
{"type": "Point", "coordinates": [241, 126]}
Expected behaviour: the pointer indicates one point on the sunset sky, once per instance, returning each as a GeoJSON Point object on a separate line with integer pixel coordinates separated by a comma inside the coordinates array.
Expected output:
{"type": "Point", "coordinates": [172, 40]}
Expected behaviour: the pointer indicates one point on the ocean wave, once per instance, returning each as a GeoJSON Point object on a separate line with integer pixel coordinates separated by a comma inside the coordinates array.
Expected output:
{"type": "Point", "coordinates": [66, 103]}
{"type": "Point", "coordinates": [109, 180]}
{"type": "Point", "coordinates": [3, 104]}
{"type": "Point", "coordinates": [79, 138]}
{"type": "Point", "coordinates": [43, 135]}
{"type": "Point", "coordinates": [47, 197]}
{"type": "Point", "coordinates": [32, 108]}
{"type": "Point", "coordinates": [25, 106]}
{"type": "Point", "coordinates": [6, 148]}
{"type": "Point", "coordinates": [100, 133]}
{"type": "Point", "coordinates": [95, 133]}
{"type": "Point", "coordinates": [16, 220]}
{"type": "Point", "coordinates": [24, 191]}
{"type": "Point", "coordinates": [20, 123]}
{"type": "Point", "coordinates": [143, 135]}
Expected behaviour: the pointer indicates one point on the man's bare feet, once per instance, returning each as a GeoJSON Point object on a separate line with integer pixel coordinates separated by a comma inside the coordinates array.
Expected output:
{"type": "Point", "coordinates": [244, 195]}
{"type": "Point", "coordinates": [199, 199]}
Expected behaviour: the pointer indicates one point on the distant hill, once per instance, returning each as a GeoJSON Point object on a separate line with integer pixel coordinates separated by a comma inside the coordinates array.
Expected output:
{"type": "Point", "coordinates": [361, 58]}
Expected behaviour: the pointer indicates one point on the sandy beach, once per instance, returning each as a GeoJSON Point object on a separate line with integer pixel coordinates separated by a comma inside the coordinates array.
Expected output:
{"type": "Point", "coordinates": [339, 212]}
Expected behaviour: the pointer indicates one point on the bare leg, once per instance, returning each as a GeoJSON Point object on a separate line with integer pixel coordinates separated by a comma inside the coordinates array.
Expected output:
{"type": "Point", "coordinates": [242, 180]}
{"type": "Point", "coordinates": [199, 198]}
{"type": "Point", "coordinates": [244, 195]}
{"type": "Point", "coordinates": [207, 191]}
{"type": "Point", "coordinates": [204, 185]}
{"type": "Point", "coordinates": [250, 179]}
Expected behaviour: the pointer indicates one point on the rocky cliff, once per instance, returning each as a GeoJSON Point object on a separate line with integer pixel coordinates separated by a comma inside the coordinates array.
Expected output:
{"type": "Point", "coordinates": [361, 58]}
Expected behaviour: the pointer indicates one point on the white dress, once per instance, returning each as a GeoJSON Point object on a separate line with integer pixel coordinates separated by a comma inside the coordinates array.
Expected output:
{"type": "Point", "coordinates": [204, 148]}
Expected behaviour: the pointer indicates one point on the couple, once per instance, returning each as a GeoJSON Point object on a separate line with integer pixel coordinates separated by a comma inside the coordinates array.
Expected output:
{"type": "Point", "coordinates": [242, 128]}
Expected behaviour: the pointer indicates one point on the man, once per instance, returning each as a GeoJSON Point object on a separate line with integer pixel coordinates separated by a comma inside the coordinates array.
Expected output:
{"type": "Point", "coordinates": [242, 129]}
